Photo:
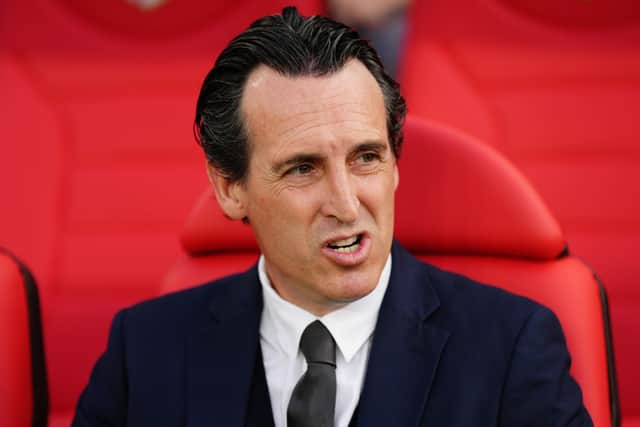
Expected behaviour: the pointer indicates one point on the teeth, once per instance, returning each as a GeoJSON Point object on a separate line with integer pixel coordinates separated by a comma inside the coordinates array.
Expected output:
{"type": "Point", "coordinates": [348, 245]}
{"type": "Point", "coordinates": [345, 242]}
{"type": "Point", "coordinates": [348, 249]}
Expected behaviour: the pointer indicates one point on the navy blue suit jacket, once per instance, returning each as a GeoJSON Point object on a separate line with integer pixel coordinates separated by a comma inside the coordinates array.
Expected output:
{"type": "Point", "coordinates": [446, 351]}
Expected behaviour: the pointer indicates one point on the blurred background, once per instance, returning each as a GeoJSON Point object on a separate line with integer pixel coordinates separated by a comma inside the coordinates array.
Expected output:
{"type": "Point", "coordinates": [99, 167]}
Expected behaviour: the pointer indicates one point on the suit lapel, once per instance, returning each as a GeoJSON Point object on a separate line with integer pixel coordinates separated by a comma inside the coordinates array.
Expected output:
{"type": "Point", "coordinates": [259, 412]}
{"type": "Point", "coordinates": [405, 350]}
{"type": "Point", "coordinates": [222, 355]}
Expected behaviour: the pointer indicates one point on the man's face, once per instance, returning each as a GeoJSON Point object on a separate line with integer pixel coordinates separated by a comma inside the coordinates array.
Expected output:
{"type": "Point", "coordinates": [319, 192]}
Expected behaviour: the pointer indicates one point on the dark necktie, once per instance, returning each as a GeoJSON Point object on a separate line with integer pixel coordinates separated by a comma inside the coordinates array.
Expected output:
{"type": "Point", "coordinates": [313, 399]}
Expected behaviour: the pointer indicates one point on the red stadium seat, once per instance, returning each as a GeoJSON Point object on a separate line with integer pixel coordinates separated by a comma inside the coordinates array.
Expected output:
{"type": "Point", "coordinates": [23, 388]}
{"type": "Point", "coordinates": [462, 206]}
{"type": "Point", "coordinates": [98, 162]}
{"type": "Point", "coordinates": [554, 86]}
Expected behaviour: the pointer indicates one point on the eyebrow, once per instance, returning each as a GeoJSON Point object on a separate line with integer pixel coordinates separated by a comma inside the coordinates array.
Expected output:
{"type": "Point", "coordinates": [380, 147]}
{"type": "Point", "coordinates": [312, 158]}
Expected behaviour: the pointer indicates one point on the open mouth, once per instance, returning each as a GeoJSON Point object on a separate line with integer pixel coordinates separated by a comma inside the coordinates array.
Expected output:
{"type": "Point", "coordinates": [350, 244]}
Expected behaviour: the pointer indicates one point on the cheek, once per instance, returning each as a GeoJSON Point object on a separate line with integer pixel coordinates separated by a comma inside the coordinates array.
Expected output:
{"type": "Point", "coordinates": [287, 213]}
{"type": "Point", "coordinates": [379, 195]}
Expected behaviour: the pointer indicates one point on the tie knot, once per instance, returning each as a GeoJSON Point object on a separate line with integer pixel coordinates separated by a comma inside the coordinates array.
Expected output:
{"type": "Point", "coordinates": [318, 345]}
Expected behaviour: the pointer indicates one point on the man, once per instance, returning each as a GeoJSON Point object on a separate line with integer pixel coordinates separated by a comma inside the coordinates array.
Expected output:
{"type": "Point", "coordinates": [336, 325]}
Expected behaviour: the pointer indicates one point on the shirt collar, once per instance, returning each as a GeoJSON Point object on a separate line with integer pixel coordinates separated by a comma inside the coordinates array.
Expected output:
{"type": "Point", "coordinates": [351, 326]}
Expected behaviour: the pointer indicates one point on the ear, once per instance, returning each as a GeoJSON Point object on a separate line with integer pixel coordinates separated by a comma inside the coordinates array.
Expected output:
{"type": "Point", "coordinates": [231, 195]}
{"type": "Point", "coordinates": [396, 176]}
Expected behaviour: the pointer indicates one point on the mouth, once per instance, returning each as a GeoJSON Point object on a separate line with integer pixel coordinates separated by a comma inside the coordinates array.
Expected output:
{"type": "Point", "coordinates": [347, 245]}
{"type": "Point", "coordinates": [348, 251]}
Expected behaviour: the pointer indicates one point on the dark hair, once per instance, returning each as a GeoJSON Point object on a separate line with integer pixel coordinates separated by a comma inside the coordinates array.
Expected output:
{"type": "Point", "coordinates": [293, 46]}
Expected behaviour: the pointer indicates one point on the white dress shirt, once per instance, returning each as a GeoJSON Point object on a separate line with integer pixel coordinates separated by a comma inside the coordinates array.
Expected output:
{"type": "Point", "coordinates": [352, 327]}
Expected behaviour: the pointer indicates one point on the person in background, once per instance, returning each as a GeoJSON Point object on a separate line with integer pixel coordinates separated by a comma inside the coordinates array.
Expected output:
{"type": "Point", "coordinates": [382, 22]}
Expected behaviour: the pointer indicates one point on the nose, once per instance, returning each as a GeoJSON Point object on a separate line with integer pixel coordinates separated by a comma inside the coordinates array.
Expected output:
{"type": "Point", "coordinates": [341, 200]}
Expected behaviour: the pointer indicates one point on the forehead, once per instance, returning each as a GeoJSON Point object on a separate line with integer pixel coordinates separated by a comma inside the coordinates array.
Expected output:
{"type": "Point", "coordinates": [283, 112]}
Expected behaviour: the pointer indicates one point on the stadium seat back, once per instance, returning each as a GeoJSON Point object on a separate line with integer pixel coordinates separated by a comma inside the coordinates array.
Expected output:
{"type": "Point", "coordinates": [23, 388]}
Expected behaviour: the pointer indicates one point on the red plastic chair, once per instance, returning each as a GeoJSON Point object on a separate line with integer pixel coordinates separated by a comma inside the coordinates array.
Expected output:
{"type": "Point", "coordinates": [23, 388]}
{"type": "Point", "coordinates": [555, 86]}
{"type": "Point", "coordinates": [461, 206]}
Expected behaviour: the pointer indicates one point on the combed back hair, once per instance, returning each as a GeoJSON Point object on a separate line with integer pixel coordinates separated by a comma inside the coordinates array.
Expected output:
{"type": "Point", "coordinates": [294, 46]}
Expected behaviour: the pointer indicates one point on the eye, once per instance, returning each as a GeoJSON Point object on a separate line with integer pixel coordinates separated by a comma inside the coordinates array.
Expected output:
{"type": "Point", "coordinates": [301, 169]}
{"type": "Point", "coordinates": [369, 157]}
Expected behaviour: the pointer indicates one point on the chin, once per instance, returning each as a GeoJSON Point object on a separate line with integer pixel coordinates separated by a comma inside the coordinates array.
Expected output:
{"type": "Point", "coordinates": [353, 288]}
